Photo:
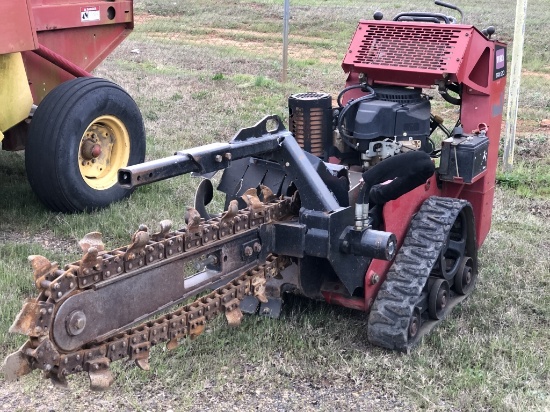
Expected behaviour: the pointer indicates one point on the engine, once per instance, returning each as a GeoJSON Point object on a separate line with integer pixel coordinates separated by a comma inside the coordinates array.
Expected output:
{"type": "Point", "coordinates": [380, 123]}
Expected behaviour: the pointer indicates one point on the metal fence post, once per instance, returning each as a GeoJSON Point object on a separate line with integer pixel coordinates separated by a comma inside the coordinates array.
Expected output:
{"type": "Point", "coordinates": [514, 86]}
{"type": "Point", "coordinates": [286, 19]}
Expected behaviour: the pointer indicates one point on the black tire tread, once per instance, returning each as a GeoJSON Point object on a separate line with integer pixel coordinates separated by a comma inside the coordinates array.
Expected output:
{"type": "Point", "coordinates": [393, 307]}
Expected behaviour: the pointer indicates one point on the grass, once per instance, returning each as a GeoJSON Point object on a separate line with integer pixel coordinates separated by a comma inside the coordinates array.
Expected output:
{"type": "Point", "coordinates": [221, 73]}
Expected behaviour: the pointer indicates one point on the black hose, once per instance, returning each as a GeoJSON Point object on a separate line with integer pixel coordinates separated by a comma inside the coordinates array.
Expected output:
{"type": "Point", "coordinates": [429, 139]}
{"type": "Point", "coordinates": [345, 137]}
{"type": "Point", "coordinates": [344, 91]}
{"type": "Point", "coordinates": [456, 101]}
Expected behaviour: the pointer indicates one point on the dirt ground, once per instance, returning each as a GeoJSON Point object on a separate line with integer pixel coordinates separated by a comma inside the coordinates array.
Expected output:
{"type": "Point", "coordinates": [302, 397]}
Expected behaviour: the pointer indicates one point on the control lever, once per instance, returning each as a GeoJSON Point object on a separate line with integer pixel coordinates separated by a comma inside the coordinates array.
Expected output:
{"type": "Point", "coordinates": [452, 7]}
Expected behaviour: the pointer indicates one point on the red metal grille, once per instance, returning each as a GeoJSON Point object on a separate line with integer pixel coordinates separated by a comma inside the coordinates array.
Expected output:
{"type": "Point", "coordinates": [429, 48]}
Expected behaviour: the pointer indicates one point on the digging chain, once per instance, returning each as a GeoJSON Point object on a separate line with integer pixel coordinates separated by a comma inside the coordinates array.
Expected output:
{"type": "Point", "coordinates": [55, 285]}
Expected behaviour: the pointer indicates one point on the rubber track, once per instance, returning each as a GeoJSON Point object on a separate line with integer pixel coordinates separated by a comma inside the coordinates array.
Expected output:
{"type": "Point", "coordinates": [391, 312]}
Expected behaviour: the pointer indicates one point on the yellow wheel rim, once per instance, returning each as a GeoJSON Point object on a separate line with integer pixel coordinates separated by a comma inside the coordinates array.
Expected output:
{"type": "Point", "coordinates": [104, 148]}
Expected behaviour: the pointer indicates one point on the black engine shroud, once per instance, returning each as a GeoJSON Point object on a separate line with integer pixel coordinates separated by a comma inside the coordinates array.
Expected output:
{"type": "Point", "coordinates": [400, 113]}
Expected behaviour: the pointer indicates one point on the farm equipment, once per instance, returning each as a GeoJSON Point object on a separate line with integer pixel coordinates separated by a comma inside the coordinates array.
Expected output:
{"type": "Point", "coordinates": [355, 205]}
{"type": "Point", "coordinates": [77, 130]}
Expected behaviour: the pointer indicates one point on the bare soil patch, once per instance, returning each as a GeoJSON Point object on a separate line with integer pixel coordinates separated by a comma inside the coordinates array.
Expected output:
{"type": "Point", "coordinates": [536, 74]}
{"type": "Point", "coordinates": [265, 44]}
{"type": "Point", "coordinates": [46, 239]}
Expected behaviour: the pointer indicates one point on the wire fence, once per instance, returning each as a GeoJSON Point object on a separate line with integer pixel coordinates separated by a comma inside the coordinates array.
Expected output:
{"type": "Point", "coordinates": [190, 64]}
{"type": "Point", "coordinates": [256, 27]}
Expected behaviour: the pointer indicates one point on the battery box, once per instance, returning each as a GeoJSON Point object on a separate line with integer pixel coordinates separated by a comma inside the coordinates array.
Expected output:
{"type": "Point", "coordinates": [463, 157]}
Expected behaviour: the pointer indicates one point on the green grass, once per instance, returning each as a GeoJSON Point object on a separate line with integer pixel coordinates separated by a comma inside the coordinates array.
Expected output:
{"type": "Point", "coordinates": [223, 73]}
{"type": "Point", "coordinates": [527, 180]}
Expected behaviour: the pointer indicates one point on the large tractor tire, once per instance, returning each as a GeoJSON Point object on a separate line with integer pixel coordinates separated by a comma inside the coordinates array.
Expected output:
{"type": "Point", "coordinates": [80, 135]}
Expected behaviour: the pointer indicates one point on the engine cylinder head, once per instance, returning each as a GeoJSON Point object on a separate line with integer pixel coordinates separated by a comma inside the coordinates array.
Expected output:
{"type": "Point", "coordinates": [311, 121]}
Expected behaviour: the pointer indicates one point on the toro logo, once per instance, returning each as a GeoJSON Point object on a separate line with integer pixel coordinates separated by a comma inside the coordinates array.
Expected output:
{"type": "Point", "coordinates": [500, 62]}
{"type": "Point", "coordinates": [89, 14]}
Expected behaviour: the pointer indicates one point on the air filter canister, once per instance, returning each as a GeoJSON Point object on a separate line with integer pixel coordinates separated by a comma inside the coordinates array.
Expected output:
{"type": "Point", "coordinates": [311, 121]}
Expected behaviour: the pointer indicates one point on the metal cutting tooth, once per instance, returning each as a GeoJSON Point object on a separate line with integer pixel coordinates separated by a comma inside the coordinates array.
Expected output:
{"type": "Point", "coordinates": [253, 202]}
{"type": "Point", "coordinates": [192, 218]}
{"type": "Point", "coordinates": [43, 271]}
{"type": "Point", "coordinates": [197, 331]}
{"type": "Point", "coordinates": [250, 192]}
{"type": "Point", "coordinates": [232, 211]}
{"type": "Point", "coordinates": [59, 382]}
{"type": "Point", "coordinates": [16, 364]}
{"type": "Point", "coordinates": [172, 344]}
{"type": "Point", "coordinates": [143, 364]}
{"type": "Point", "coordinates": [141, 237]}
{"type": "Point", "coordinates": [91, 258]}
{"type": "Point", "coordinates": [101, 380]}
{"type": "Point", "coordinates": [267, 194]}
{"type": "Point", "coordinates": [234, 317]}
{"type": "Point", "coordinates": [139, 240]}
{"type": "Point", "coordinates": [92, 239]}
{"type": "Point", "coordinates": [165, 226]}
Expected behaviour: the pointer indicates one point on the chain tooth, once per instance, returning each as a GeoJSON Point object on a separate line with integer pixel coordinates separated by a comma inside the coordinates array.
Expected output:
{"type": "Point", "coordinates": [165, 226]}
{"type": "Point", "coordinates": [92, 239]}
{"type": "Point", "coordinates": [139, 240]}
{"type": "Point", "coordinates": [101, 377]}
{"type": "Point", "coordinates": [192, 218]}
{"type": "Point", "coordinates": [253, 202]}
{"type": "Point", "coordinates": [257, 285]}
{"type": "Point", "coordinates": [172, 344]}
{"type": "Point", "coordinates": [58, 381]}
{"type": "Point", "coordinates": [17, 364]}
{"type": "Point", "coordinates": [197, 328]}
{"type": "Point", "coordinates": [234, 316]}
{"type": "Point", "coordinates": [232, 211]}
{"type": "Point", "coordinates": [143, 364]}
{"type": "Point", "coordinates": [267, 194]}
{"type": "Point", "coordinates": [44, 272]}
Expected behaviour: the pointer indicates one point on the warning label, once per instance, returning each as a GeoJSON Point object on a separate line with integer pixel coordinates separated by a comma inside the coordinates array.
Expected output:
{"type": "Point", "coordinates": [89, 13]}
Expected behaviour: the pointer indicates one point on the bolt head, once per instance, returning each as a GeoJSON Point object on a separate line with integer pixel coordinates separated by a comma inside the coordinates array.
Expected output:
{"type": "Point", "coordinates": [75, 323]}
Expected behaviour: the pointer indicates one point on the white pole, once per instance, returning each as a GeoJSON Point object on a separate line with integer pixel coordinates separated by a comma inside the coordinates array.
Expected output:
{"type": "Point", "coordinates": [514, 86]}
{"type": "Point", "coordinates": [286, 18]}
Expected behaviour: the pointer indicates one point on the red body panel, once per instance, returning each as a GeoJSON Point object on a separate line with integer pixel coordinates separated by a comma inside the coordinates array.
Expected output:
{"type": "Point", "coordinates": [424, 55]}
{"type": "Point", "coordinates": [17, 32]}
{"type": "Point", "coordinates": [75, 32]}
